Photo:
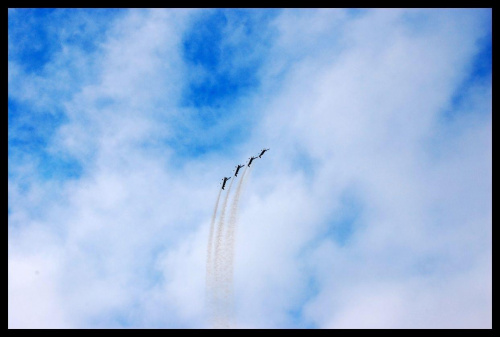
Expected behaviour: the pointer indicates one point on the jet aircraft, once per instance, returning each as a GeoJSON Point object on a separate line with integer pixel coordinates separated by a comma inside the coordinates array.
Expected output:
{"type": "Point", "coordinates": [237, 169]}
{"type": "Point", "coordinates": [251, 159]}
{"type": "Point", "coordinates": [263, 150]}
{"type": "Point", "coordinates": [224, 181]}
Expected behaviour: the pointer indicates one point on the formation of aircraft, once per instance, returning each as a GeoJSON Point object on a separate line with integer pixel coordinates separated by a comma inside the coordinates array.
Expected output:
{"type": "Point", "coordinates": [238, 167]}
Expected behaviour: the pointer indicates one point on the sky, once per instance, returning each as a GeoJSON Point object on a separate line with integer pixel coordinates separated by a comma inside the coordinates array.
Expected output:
{"type": "Point", "coordinates": [372, 209]}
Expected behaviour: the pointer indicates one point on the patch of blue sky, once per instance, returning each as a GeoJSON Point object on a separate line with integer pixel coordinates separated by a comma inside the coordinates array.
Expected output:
{"type": "Point", "coordinates": [35, 38]}
{"type": "Point", "coordinates": [28, 138]}
{"type": "Point", "coordinates": [310, 286]}
{"type": "Point", "coordinates": [112, 319]}
{"type": "Point", "coordinates": [356, 12]}
{"type": "Point", "coordinates": [32, 45]}
{"type": "Point", "coordinates": [222, 71]}
{"type": "Point", "coordinates": [229, 66]}
{"type": "Point", "coordinates": [226, 140]}
{"type": "Point", "coordinates": [344, 222]}
{"type": "Point", "coordinates": [56, 167]}
{"type": "Point", "coordinates": [424, 22]}
{"type": "Point", "coordinates": [196, 142]}
{"type": "Point", "coordinates": [54, 48]}
{"type": "Point", "coordinates": [297, 320]}
{"type": "Point", "coordinates": [339, 228]}
{"type": "Point", "coordinates": [480, 73]}
{"type": "Point", "coordinates": [463, 105]}
{"type": "Point", "coordinates": [27, 132]}
{"type": "Point", "coordinates": [154, 276]}
{"type": "Point", "coordinates": [304, 162]}
{"type": "Point", "coordinates": [196, 139]}
{"type": "Point", "coordinates": [311, 289]}
{"type": "Point", "coordinates": [20, 115]}
{"type": "Point", "coordinates": [35, 35]}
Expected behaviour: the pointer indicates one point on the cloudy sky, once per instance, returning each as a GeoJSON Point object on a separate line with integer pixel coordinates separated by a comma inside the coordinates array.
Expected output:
{"type": "Point", "coordinates": [373, 208]}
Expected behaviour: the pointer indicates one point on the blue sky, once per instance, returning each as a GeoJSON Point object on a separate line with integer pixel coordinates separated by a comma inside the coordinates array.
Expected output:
{"type": "Point", "coordinates": [372, 208]}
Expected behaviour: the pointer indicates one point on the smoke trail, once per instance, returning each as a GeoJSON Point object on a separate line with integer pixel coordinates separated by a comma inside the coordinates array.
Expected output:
{"type": "Point", "coordinates": [233, 217]}
{"type": "Point", "coordinates": [220, 307]}
{"type": "Point", "coordinates": [220, 228]}
{"type": "Point", "coordinates": [229, 246]}
{"type": "Point", "coordinates": [209, 273]}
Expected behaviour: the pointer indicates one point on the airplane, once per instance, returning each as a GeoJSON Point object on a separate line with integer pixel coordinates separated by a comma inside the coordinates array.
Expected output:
{"type": "Point", "coordinates": [251, 159]}
{"type": "Point", "coordinates": [224, 181]}
{"type": "Point", "coordinates": [237, 169]}
{"type": "Point", "coordinates": [263, 150]}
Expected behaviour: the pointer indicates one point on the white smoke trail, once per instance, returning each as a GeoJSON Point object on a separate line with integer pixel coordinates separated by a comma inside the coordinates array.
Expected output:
{"type": "Point", "coordinates": [220, 230]}
{"type": "Point", "coordinates": [221, 277]}
{"type": "Point", "coordinates": [229, 247]}
{"type": "Point", "coordinates": [220, 309]}
{"type": "Point", "coordinates": [209, 273]}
